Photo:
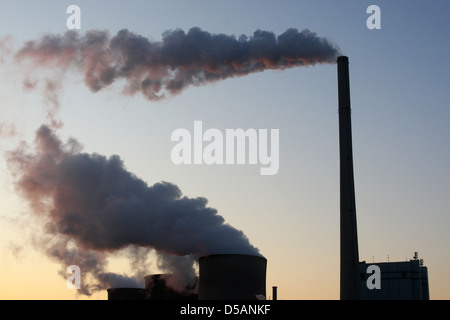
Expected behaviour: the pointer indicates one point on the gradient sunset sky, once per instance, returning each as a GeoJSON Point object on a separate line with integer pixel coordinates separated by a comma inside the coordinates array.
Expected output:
{"type": "Point", "coordinates": [399, 78]}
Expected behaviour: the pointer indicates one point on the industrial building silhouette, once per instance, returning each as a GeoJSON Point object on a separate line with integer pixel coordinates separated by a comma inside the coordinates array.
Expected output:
{"type": "Point", "coordinates": [402, 280]}
{"type": "Point", "coordinates": [221, 277]}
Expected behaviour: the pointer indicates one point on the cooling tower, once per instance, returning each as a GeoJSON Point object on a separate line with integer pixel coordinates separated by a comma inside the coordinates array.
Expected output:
{"type": "Point", "coordinates": [350, 289]}
{"type": "Point", "coordinates": [126, 294]}
{"type": "Point", "coordinates": [156, 288]}
{"type": "Point", "coordinates": [232, 277]}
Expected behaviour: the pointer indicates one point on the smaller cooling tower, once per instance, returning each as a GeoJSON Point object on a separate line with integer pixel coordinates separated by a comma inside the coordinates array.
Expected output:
{"type": "Point", "coordinates": [156, 288]}
{"type": "Point", "coordinates": [126, 294]}
{"type": "Point", "coordinates": [232, 277]}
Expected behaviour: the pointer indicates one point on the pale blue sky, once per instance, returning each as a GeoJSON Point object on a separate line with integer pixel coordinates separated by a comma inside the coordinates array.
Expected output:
{"type": "Point", "coordinates": [400, 98]}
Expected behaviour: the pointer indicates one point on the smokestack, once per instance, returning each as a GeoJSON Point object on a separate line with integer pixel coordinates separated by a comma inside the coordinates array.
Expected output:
{"type": "Point", "coordinates": [350, 287]}
{"type": "Point", "coordinates": [274, 293]}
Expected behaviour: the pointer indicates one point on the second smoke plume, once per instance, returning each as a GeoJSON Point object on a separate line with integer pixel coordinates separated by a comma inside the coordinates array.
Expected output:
{"type": "Point", "coordinates": [91, 206]}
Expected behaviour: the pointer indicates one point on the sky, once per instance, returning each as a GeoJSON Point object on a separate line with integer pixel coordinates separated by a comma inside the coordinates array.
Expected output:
{"type": "Point", "coordinates": [399, 78]}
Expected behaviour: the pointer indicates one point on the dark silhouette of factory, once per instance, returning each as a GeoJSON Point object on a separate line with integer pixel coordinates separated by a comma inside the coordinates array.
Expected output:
{"type": "Point", "coordinates": [221, 277]}
{"type": "Point", "coordinates": [243, 277]}
{"type": "Point", "coordinates": [400, 280]}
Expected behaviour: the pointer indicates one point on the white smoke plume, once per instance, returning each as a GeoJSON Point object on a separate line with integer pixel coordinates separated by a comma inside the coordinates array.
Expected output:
{"type": "Point", "coordinates": [91, 207]}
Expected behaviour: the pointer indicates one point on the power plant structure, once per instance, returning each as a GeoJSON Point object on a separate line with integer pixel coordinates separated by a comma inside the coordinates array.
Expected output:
{"type": "Point", "coordinates": [157, 287]}
{"type": "Point", "coordinates": [232, 277]}
{"type": "Point", "coordinates": [349, 256]}
{"type": "Point", "coordinates": [221, 277]}
{"type": "Point", "coordinates": [399, 280]}
{"type": "Point", "coordinates": [243, 277]}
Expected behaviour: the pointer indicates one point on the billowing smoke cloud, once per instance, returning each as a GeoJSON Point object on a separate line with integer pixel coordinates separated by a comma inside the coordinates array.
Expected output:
{"type": "Point", "coordinates": [5, 48]}
{"type": "Point", "coordinates": [158, 69]}
{"type": "Point", "coordinates": [7, 130]}
{"type": "Point", "coordinates": [92, 207]}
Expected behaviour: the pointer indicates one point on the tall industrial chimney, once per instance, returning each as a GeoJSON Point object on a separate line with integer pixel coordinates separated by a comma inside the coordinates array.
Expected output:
{"type": "Point", "coordinates": [350, 282]}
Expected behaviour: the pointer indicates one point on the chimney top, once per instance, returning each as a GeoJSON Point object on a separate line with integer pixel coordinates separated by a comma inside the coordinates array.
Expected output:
{"type": "Point", "coordinates": [342, 58]}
